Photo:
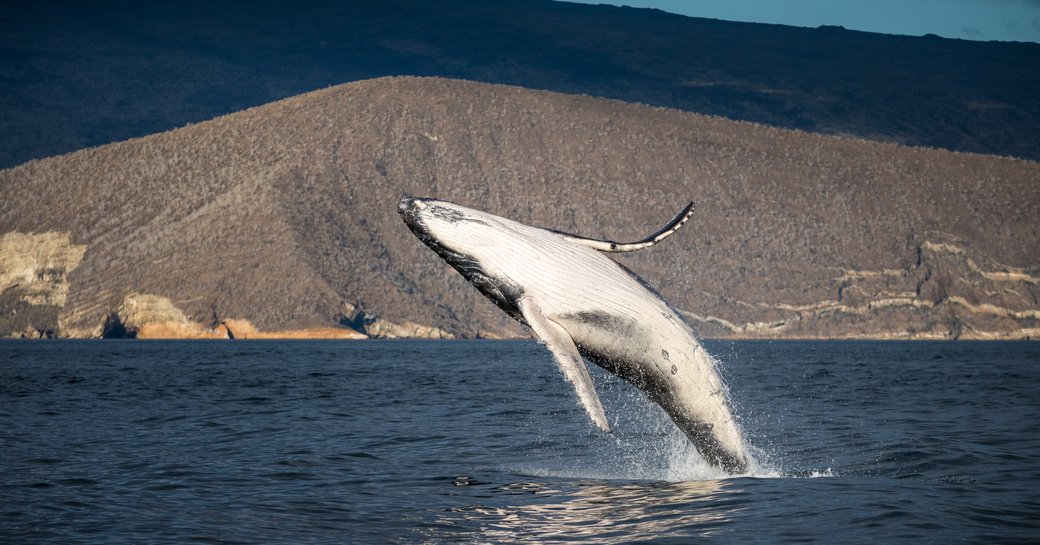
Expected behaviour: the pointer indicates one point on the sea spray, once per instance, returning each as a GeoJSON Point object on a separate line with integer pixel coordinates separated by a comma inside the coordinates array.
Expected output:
{"type": "Point", "coordinates": [645, 445]}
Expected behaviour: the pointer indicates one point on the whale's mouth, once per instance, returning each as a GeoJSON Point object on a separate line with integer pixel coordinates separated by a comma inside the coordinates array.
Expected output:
{"type": "Point", "coordinates": [414, 209]}
{"type": "Point", "coordinates": [411, 203]}
{"type": "Point", "coordinates": [411, 209]}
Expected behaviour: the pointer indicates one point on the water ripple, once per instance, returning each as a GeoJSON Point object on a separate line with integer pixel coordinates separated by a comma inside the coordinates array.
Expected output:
{"type": "Point", "coordinates": [482, 442]}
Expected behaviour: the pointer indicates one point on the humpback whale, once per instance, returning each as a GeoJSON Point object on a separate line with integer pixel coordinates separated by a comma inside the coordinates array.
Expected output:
{"type": "Point", "coordinates": [579, 302]}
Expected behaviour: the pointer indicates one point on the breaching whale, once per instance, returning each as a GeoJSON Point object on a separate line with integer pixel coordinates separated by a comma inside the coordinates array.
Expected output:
{"type": "Point", "coordinates": [579, 302]}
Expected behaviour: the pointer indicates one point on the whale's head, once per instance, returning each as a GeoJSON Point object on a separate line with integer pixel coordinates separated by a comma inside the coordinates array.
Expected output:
{"type": "Point", "coordinates": [446, 226]}
{"type": "Point", "coordinates": [475, 243]}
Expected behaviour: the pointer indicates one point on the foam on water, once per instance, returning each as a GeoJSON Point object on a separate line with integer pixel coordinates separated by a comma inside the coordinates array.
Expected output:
{"type": "Point", "coordinates": [669, 458]}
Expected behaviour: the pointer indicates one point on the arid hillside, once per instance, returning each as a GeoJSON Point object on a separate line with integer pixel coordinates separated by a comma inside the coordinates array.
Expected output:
{"type": "Point", "coordinates": [285, 215]}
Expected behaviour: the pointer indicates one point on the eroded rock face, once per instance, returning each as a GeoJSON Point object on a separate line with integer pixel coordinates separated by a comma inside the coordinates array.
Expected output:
{"type": "Point", "coordinates": [355, 317]}
{"type": "Point", "coordinates": [34, 281]}
{"type": "Point", "coordinates": [38, 265]}
{"type": "Point", "coordinates": [244, 329]}
{"type": "Point", "coordinates": [146, 316]}
{"type": "Point", "coordinates": [946, 294]}
{"type": "Point", "coordinates": [385, 329]}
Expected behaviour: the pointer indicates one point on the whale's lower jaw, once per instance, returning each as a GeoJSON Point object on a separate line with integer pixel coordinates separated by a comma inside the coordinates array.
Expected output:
{"type": "Point", "coordinates": [503, 294]}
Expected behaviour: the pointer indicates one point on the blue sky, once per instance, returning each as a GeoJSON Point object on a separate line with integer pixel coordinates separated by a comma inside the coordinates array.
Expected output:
{"type": "Point", "coordinates": [1005, 20]}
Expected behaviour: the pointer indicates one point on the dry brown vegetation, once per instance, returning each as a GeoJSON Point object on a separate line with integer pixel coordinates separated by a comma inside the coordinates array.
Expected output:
{"type": "Point", "coordinates": [284, 213]}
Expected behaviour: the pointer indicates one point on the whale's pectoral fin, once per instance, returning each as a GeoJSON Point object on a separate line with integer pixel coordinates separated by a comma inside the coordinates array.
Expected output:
{"type": "Point", "coordinates": [615, 247]}
{"type": "Point", "coordinates": [559, 342]}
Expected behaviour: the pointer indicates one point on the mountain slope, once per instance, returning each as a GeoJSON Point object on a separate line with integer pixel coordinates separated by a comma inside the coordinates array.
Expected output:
{"type": "Point", "coordinates": [78, 74]}
{"type": "Point", "coordinates": [286, 215]}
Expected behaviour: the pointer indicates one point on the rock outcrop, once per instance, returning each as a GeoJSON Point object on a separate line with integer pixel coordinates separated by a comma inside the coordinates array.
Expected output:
{"type": "Point", "coordinates": [356, 318]}
{"type": "Point", "coordinates": [144, 316]}
{"type": "Point", "coordinates": [385, 329]}
{"type": "Point", "coordinates": [34, 281]}
{"type": "Point", "coordinates": [244, 329]}
{"type": "Point", "coordinates": [945, 294]}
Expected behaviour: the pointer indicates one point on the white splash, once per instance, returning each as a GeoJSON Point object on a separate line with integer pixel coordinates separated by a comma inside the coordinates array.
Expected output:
{"type": "Point", "coordinates": [645, 446]}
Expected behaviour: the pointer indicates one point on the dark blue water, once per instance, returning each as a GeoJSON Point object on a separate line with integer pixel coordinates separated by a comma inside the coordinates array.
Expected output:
{"type": "Point", "coordinates": [483, 442]}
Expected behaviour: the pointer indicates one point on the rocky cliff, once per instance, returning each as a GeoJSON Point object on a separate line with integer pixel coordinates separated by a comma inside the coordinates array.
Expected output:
{"type": "Point", "coordinates": [34, 281]}
{"type": "Point", "coordinates": [285, 215]}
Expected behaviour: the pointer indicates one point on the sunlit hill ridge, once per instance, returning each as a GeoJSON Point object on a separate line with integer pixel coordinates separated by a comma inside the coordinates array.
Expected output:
{"type": "Point", "coordinates": [283, 218]}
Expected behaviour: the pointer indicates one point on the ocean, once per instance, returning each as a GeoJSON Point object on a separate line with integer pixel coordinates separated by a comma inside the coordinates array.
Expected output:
{"type": "Point", "coordinates": [484, 442]}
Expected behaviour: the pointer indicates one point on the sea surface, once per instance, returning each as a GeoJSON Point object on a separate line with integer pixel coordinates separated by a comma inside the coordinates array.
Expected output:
{"type": "Point", "coordinates": [484, 442]}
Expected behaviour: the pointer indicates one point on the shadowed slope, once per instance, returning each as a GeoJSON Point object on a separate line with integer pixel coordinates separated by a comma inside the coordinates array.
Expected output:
{"type": "Point", "coordinates": [77, 74]}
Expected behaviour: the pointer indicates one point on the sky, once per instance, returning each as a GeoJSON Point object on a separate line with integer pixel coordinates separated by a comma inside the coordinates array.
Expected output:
{"type": "Point", "coordinates": [1003, 20]}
